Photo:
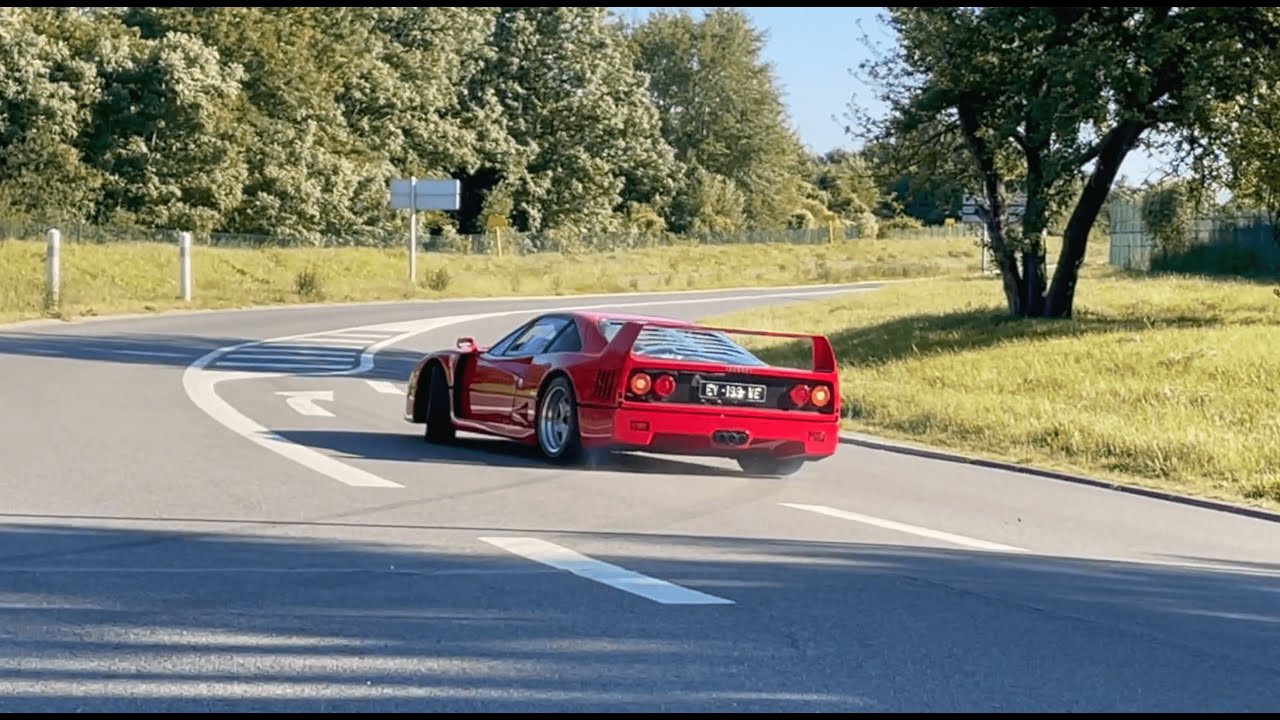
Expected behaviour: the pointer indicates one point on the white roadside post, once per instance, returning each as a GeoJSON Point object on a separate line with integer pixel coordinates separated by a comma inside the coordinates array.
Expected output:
{"type": "Point", "coordinates": [184, 262]}
{"type": "Point", "coordinates": [417, 195]}
{"type": "Point", "coordinates": [53, 268]}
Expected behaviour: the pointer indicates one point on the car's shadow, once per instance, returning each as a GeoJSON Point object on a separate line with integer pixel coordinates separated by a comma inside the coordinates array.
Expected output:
{"type": "Point", "coordinates": [492, 452]}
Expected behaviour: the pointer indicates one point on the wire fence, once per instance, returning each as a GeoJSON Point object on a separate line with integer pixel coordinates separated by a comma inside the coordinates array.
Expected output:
{"type": "Point", "coordinates": [501, 242]}
{"type": "Point", "coordinates": [1228, 244]}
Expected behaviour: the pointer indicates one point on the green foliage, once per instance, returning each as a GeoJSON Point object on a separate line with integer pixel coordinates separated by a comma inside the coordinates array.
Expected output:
{"type": "Point", "coordinates": [900, 222]}
{"type": "Point", "coordinates": [1253, 154]}
{"type": "Point", "coordinates": [867, 225]}
{"type": "Point", "coordinates": [165, 133]}
{"type": "Point", "coordinates": [585, 138]}
{"type": "Point", "coordinates": [1042, 93]}
{"type": "Point", "coordinates": [47, 90]}
{"type": "Point", "coordinates": [308, 283]}
{"type": "Point", "coordinates": [707, 202]}
{"type": "Point", "coordinates": [846, 183]}
{"type": "Point", "coordinates": [439, 279]}
{"type": "Point", "coordinates": [721, 109]}
{"type": "Point", "coordinates": [291, 121]}
{"type": "Point", "coordinates": [1169, 212]}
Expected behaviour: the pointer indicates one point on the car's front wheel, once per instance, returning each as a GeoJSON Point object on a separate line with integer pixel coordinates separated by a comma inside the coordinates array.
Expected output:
{"type": "Point", "coordinates": [440, 427]}
{"type": "Point", "coordinates": [557, 424]}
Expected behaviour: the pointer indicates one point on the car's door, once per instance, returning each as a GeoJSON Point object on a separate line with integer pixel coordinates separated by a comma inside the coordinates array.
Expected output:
{"type": "Point", "coordinates": [505, 371]}
{"type": "Point", "coordinates": [525, 397]}
{"type": "Point", "coordinates": [487, 396]}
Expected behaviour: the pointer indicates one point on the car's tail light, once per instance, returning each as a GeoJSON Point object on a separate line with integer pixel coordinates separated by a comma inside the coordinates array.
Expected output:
{"type": "Point", "coordinates": [820, 396]}
{"type": "Point", "coordinates": [664, 385]}
{"type": "Point", "coordinates": [641, 383]}
{"type": "Point", "coordinates": [799, 395]}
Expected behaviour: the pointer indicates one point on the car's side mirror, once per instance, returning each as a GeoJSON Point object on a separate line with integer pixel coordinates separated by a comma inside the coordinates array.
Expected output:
{"type": "Point", "coordinates": [467, 344]}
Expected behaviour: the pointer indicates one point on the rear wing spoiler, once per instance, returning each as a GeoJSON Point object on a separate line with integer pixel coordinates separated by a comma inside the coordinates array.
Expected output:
{"type": "Point", "coordinates": [824, 355]}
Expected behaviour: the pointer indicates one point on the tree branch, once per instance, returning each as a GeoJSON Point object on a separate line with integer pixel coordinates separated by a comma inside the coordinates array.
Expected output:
{"type": "Point", "coordinates": [1020, 140]}
{"type": "Point", "coordinates": [916, 152]}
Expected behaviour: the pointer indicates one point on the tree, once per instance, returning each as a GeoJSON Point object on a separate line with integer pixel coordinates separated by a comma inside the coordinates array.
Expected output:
{"type": "Point", "coordinates": [720, 106]}
{"type": "Point", "coordinates": [848, 183]}
{"type": "Point", "coordinates": [583, 141]}
{"type": "Point", "coordinates": [47, 86]}
{"type": "Point", "coordinates": [924, 173]}
{"type": "Point", "coordinates": [1044, 96]}
{"type": "Point", "coordinates": [1253, 155]}
{"type": "Point", "coordinates": [165, 132]}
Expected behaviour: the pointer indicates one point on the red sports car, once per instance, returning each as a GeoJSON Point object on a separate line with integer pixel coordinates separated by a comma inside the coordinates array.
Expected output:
{"type": "Point", "coordinates": [569, 382]}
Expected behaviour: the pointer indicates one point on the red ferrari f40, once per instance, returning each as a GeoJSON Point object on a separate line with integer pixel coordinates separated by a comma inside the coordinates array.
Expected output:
{"type": "Point", "coordinates": [571, 382]}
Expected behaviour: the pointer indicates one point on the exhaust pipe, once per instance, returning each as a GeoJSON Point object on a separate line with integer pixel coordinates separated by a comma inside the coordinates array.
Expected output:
{"type": "Point", "coordinates": [730, 437]}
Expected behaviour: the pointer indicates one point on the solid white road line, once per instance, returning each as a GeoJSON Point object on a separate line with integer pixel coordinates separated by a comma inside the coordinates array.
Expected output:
{"type": "Point", "coordinates": [563, 558]}
{"type": "Point", "coordinates": [384, 387]}
{"type": "Point", "coordinates": [961, 540]}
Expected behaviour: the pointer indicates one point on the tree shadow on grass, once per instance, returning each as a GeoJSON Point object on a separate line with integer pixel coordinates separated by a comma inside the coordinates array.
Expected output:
{"type": "Point", "coordinates": [918, 336]}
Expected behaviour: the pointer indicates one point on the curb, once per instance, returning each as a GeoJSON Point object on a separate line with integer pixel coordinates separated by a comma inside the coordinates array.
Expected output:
{"type": "Point", "coordinates": [178, 312]}
{"type": "Point", "coordinates": [882, 444]}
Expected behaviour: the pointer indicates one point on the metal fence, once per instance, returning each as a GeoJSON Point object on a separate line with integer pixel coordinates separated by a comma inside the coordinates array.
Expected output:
{"type": "Point", "coordinates": [1131, 246]}
{"type": "Point", "coordinates": [1241, 244]}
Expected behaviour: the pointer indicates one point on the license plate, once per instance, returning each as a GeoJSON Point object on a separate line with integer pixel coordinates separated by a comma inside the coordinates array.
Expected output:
{"type": "Point", "coordinates": [735, 392]}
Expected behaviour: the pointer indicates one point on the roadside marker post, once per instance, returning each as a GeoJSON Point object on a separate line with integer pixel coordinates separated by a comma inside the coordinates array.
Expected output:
{"type": "Point", "coordinates": [184, 265]}
{"type": "Point", "coordinates": [53, 268]}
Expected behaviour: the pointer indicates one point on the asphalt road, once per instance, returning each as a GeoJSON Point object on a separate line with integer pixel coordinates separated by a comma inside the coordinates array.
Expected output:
{"type": "Point", "coordinates": [177, 537]}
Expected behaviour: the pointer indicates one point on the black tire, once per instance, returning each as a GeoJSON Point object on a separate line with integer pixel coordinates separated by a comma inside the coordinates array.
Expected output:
{"type": "Point", "coordinates": [440, 428]}
{"type": "Point", "coordinates": [765, 464]}
{"type": "Point", "coordinates": [556, 423]}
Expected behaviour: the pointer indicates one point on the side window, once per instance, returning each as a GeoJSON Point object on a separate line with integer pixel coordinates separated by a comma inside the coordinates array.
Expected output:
{"type": "Point", "coordinates": [536, 339]}
{"type": "Point", "coordinates": [500, 347]}
{"type": "Point", "coordinates": [567, 341]}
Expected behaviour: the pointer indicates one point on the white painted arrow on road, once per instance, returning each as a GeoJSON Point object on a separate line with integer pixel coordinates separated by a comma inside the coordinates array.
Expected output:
{"type": "Point", "coordinates": [304, 401]}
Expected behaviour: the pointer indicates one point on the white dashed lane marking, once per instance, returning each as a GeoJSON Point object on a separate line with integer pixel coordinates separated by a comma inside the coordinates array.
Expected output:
{"type": "Point", "coordinates": [325, 352]}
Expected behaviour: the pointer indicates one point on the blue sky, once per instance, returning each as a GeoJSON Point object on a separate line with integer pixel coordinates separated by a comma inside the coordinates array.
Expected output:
{"type": "Point", "coordinates": [813, 51]}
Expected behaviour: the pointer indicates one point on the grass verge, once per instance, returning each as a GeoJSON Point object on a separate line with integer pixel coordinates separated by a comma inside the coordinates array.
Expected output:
{"type": "Point", "coordinates": [1162, 382]}
{"type": "Point", "coordinates": [101, 279]}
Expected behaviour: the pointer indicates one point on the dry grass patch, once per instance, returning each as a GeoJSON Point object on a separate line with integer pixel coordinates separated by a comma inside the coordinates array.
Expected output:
{"type": "Point", "coordinates": [100, 279]}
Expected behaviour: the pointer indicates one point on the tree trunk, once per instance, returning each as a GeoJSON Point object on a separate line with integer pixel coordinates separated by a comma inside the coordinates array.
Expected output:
{"type": "Point", "coordinates": [993, 217]}
{"type": "Point", "coordinates": [1075, 239]}
{"type": "Point", "coordinates": [1034, 223]}
{"type": "Point", "coordinates": [1007, 262]}
{"type": "Point", "coordinates": [1033, 281]}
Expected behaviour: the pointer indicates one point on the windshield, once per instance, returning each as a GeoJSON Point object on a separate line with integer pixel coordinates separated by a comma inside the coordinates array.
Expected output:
{"type": "Point", "coordinates": [672, 343]}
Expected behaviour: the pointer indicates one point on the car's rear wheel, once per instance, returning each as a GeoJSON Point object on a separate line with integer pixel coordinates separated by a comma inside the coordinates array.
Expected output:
{"type": "Point", "coordinates": [557, 423]}
{"type": "Point", "coordinates": [440, 428]}
{"type": "Point", "coordinates": [765, 464]}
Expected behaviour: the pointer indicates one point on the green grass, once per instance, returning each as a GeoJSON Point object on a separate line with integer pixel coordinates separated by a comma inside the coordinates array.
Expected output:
{"type": "Point", "coordinates": [101, 279]}
{"type": "Point", "coordinates": [1164, 382]}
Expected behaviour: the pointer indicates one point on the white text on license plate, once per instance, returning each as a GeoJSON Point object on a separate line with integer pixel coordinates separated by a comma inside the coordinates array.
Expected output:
{"type": "Point", "coordinates": [733, 391]}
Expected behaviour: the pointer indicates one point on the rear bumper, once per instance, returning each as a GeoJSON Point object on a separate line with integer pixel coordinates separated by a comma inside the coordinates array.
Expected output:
{"type": "Point", "coordinates": [687, 432]}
